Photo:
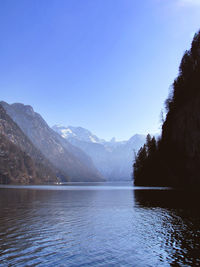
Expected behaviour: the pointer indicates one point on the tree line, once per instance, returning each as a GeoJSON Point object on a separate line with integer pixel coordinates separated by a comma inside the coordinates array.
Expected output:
{"type": "Point", "coordinates": [174, 159]}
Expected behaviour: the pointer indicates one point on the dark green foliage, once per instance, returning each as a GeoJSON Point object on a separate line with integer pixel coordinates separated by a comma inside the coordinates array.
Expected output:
{"type": "Point", "coordinates": [175, 159]}
{"type": "Point", "coordinates": [139, 164]}
{"type": "Point", "coordinates": [148, 165]}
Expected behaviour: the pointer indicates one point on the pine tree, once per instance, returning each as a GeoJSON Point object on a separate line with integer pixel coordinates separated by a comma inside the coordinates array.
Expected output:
{"type": "Point", "coordinates": [139, 164]}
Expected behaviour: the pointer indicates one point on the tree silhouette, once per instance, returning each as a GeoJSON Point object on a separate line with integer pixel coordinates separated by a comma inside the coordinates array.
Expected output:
{"type": "Point", "coordinates": [174, 160]}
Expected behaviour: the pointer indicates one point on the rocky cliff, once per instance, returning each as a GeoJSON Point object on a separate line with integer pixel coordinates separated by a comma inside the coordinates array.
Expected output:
{"type": "Point", "coordinates": [20, 161]}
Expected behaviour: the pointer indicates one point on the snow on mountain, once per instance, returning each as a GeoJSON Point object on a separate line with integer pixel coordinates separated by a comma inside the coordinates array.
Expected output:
{"type": "Point", "coordinates": [78, 133]}
{"type": "Point", "coordinates": [113, 159]}
{"type": "Point", "coordinates": [72, 163]}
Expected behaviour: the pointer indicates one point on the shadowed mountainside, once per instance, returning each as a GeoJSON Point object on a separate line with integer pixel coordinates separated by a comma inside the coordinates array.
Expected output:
{"type": "Point", "coordinates": [20, 161]}
{"type": "Point", "coordinates": [70, 160]}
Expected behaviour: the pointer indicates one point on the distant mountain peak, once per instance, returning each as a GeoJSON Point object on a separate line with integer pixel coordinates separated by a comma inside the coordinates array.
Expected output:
{"type": "Point", "coordinates": [71, 162]}
{"type": "Point", "coordinates": [78, 133]}
{"type": "Point", "coordinates": [112, 158]}
{"type": "Point", "coordinates": [27, 109]}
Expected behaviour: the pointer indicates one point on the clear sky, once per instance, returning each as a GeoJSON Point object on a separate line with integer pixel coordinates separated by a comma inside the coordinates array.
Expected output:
{"type": "Point", "coordinates": [105, 65]}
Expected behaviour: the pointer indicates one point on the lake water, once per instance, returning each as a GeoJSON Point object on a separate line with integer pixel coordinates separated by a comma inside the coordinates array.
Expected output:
{"type": "Point", "coordinates": [98, 225]}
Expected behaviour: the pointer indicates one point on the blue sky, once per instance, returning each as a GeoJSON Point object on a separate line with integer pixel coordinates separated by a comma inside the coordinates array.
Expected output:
{"type": "Point", "coordinates": [105, 65]}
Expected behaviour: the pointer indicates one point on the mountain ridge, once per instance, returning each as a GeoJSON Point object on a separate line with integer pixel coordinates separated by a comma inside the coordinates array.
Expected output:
{"type": "Point", "coordinates": [20, 161]}
{"type": "Point", "coordinates": [70, 160]}
{"type": "Point", "coordinates": [112, 158]}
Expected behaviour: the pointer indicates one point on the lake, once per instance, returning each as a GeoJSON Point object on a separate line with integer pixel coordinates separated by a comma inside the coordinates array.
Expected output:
{"type": "Point", "coordinates": [98, 225]}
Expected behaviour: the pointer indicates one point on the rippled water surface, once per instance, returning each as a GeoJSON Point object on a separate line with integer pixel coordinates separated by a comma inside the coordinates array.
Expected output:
{"type": "Point", "coordinates": [98, 225]}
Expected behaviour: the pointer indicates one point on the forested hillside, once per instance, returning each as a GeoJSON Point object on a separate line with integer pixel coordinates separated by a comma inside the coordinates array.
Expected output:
{"type": "Point", "coordinates": [175, 159]}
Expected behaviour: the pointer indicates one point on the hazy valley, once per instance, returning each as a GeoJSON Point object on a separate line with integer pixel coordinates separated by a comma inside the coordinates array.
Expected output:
{"type": "Point", "coordinates": [72, 153]}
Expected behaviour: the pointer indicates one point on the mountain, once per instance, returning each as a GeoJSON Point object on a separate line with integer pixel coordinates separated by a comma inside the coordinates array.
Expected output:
{"type": "Point", "coordinates": [175, 159]}
{"type": "Point", "coordinates": [77, 133]}
{"type": "Point", "coordinates": [70, 160]}
{"type": "Point", "coordinates": [113, 159]}
{"type": "Point", "coordinates": [20, 161]}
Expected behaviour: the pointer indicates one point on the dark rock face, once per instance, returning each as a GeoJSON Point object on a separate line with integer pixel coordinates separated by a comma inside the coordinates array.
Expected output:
{"type": "Point", "coordinates": [71, 161]}
{"type": "Point", "coordinates": [20, 161]}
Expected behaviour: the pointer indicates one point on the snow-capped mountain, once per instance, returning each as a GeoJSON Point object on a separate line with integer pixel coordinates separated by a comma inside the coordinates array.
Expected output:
{"type": "Point", "coordinates": [78, 133]}
{"type": "Point", "coordinates": [72, 163]}
{"type": "Point", "coordinates": [113, 159]}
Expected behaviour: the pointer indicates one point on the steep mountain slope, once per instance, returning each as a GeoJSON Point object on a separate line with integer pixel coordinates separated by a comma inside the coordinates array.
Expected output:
{"type": "Point", "coordinates": [113, 159]}
{"type": "Point", "coordinates": [175, 160]}
{"type": "Point", "coordinates": [20, 161]}
{"type": "Point", "coordinates": [181, 129]}
{"type": "Point", "coordinates": [70, 160]}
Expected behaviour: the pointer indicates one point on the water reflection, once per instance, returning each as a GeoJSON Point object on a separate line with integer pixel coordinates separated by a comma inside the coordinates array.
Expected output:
{"type": "Point", "coordinates": [167, 198]}
{"type": "Point", "coordinates": [180, 222]}
{"type": "Point", "coordinates": [97, 227]}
